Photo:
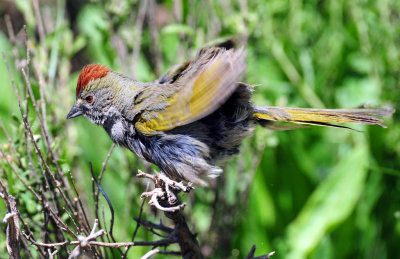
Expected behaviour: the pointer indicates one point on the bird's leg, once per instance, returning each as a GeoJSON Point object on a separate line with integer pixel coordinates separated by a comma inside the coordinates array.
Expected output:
{"type": "Point", "coordinates": [164, 186]}
{"type": "Point", "coordinates": [176, 187]}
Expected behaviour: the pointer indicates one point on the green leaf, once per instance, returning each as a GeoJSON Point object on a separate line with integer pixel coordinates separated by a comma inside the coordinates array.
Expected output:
{"type": "Point", "coordinates": [178, 28]}
{"type": "Point", "coordinates": [330, 204]}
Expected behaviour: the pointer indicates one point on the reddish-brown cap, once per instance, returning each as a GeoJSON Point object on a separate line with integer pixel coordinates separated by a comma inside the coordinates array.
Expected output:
{"type": "Point", "coordinates": [88, 73]}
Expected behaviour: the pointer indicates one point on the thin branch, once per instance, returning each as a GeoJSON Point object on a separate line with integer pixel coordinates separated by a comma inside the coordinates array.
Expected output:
{"type": "Point", "coordinates": [103, 168]}
{"type": "Point", "coordinates": [4, 194]}
{"type": "Point", "coordinates": [12, 81]}
{"type": "Point", "coordinates": [11, 36]}
{"type": "Point", "coordinates": [78, 199]}
{"type": "Point", "coordinates": [27, 186]}
{"type": "Point", "coordinates": [138, 221]}
{"type": "Point", "coordinates": [155, 42]}
{"type": "Point", "coordinates": [39, 21]}
{"type": "Point", "coordinates": [40, 77]}
{"type": "Point", "coordinates": [13, 230]}
{"type": "Point", "coordinates": [60, 221]}
{"type": "Point", "coordinates": [150, 224]}
{"type": "Point", "coordinates": [51, 254]}
{"type": "Point", "coordinates": [139, 27]}
{"type": "Point", "coordinates": [10, 141]}
{"type": "Point", "coordinates": [252, 251]}
{"type": "Point", "coordinates": [186, 239]}
{"type": "Point", "coordinates": [73, 221]}
{"type": "Point", "coordinates": [150, 253]}
{"type": "Point", "coordinates": [108, 202]}
{"type": "Point", "coordinates": [30, 235]}
{"type": "Point", "coordinates": [161, 242]}
{"type": "Point", "coordinates": [64, 180]}
{"type": "Point", "coordinates": [136, 229]}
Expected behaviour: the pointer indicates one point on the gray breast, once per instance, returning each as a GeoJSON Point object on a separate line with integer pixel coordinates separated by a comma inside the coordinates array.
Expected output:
{"type": "Point", "coordinates": [117, 131]}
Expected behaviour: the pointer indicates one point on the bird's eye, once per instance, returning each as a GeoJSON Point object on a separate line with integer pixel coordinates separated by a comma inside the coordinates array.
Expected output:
{"type": "Point", "coordinates": [89, 99]}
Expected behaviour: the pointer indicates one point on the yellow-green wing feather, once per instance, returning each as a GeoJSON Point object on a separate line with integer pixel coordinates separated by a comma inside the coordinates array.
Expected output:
{"type": "Point", "coordinates": [209, 81]}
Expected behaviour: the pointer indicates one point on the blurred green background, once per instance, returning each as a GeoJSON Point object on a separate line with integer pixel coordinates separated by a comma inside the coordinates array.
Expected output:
{"type": "Point", "coordinates": [306, 193]}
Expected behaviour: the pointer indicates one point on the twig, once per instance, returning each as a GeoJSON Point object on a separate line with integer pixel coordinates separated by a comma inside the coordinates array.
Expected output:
{"type": "Point", "coordinates": [27, 126]}
{"type": "Point", "coordinates": [64, 181]}
{"type": "Point", "coordinates": [150, 224]}
{"type": "Point", "coordinates": [155, 43]}
{"type": "Point", "coordinates": [154, 232]}
{"type": "Point", "coordinates": [252, 251]}
{"type": "Point", "coordinates": [73, 221]}
{"type": "Point", "coordinates": [30, 235]}
{"type": "Point", "coordinates": [103, 168]}
{"type": "Point", "coordinates": [51, 254]}
{"type": "Point", "coordinates": [59, 220]}
{"type": "Point", "coordinates": [40, 77]}
{"type": "Point", "coordinates": [78, 199]}
{"type": "Point", "coordinates": [39, 21]}
{"type": "Point", "coordinates": [108, 202]}
{"type": "Point", "coordinates": [136, 229]}
{"type": "Point", "coordinates": [10, 141]}
{"type": "Point", "coordinates": [27, 250]}
{"type": "Point", "coordinates": [3, 155]}
{"type": "Point", "coordinates": [150, 253]}
{"type": "Point", "coordinates": [84, 241]}
{"type": "Point", "coordinates": [11, 36]}
{"type": "Point", "coordinates": [4, 194]}
{"type": "Point", "coordinates": [12, 80]}
{"type": "Point", "coordinates": [105, 227]}
{"type": "Point", "coordinates": [139, 27]}
{"type": "Point", "coordinates": [186, 239]}
{"type": "Point", "coordinates": [161, 242]}
{"type": "Point", "coordinates": [13, 230]}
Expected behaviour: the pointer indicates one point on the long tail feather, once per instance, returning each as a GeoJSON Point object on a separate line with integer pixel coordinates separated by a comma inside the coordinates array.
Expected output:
{"type": "Point", "coordinates": [321, 117]}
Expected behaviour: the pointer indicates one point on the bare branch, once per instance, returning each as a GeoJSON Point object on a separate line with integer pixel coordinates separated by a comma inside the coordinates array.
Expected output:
{"type": "Point", "coordinates": [13, 230]}
{"type": "Point", "coordinates": [139, 26]}
{"type": "Point", "coordinates": [152, 225]}
{"type": "Point", "coordinates": [252, 251]}
{"type": "Point", "coordinates": [79, 201]}
{"type": "Point", "coordinates": [4, 156]}
{"type": "Point", "coordinates": [51, 254]}
{"type": "Point", "coordinates": [155, 42]}
{"type": "Point", "coordinates": [39, 21]}
{"type": "Point", "coordinates": [150, 253]}
{"type": "Point", "coordinates": [186, 239]}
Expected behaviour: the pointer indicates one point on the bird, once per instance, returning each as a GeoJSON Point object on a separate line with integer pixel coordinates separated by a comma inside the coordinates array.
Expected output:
{"type": "Point", "coordinates": [193, 119]}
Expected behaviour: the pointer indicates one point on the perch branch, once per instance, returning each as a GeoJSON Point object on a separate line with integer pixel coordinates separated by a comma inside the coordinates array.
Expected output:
{"type": "Point", "coordinates": [164, 197]}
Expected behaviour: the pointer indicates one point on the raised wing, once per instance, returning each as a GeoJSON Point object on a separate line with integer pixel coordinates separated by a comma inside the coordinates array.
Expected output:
{"type": "Point", "coordinates": [177, 71]}
{"type": "Point", "coordinates": [174, 73]}
{"type": "Point", "coordinates": [207, 83]}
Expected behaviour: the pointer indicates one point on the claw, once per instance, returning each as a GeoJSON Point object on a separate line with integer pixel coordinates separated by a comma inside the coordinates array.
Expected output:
{"type": "Point", "coordinates": [162, 190]}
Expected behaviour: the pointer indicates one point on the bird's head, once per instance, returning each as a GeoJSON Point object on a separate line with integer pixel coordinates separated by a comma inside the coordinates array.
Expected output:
{"type": "Point", "coordinates": [93, 96]}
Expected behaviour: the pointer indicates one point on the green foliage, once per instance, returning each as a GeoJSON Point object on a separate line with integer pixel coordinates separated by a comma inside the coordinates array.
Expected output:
{"type": "Point", "coordinates": [309, 193]}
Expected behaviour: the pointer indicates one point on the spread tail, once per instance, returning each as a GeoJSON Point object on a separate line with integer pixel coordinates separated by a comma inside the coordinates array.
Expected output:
{"type": "Point", "coordinates": [319, 117]}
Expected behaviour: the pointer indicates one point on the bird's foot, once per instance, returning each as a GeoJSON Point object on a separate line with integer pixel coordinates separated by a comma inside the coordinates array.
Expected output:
{"type": "Point", "coordinates": [165, 188]}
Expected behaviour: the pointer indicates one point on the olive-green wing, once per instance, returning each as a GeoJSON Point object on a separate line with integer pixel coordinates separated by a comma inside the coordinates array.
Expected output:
{"type": "Point", "coordinates": [175, 72]}
{"type": "Point", "coordinates": [207, 83]}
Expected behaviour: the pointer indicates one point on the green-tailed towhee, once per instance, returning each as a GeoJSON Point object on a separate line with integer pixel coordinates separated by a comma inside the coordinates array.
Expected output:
{"type": "Point", "coordinates": [194, 117]}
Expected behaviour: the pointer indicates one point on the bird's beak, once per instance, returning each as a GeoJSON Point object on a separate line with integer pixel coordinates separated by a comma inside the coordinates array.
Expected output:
{"type": "Point", "coordinates": [74, 112]}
